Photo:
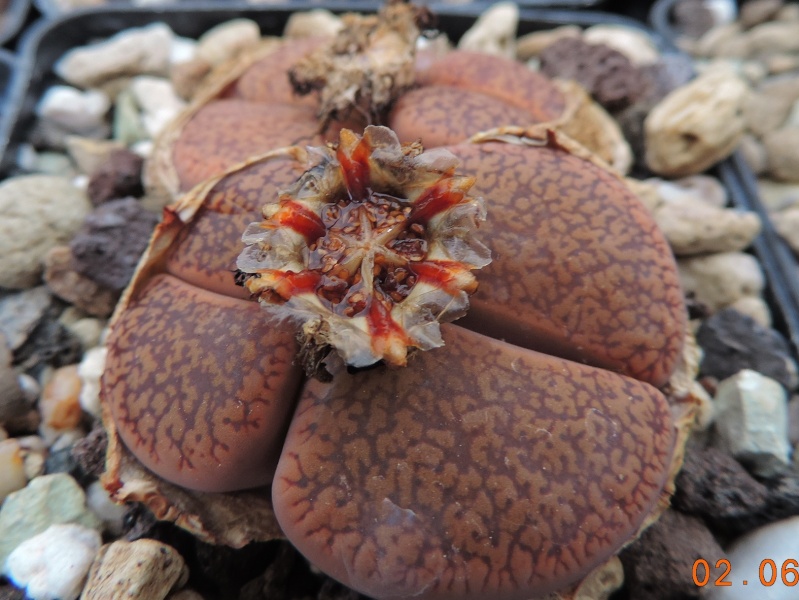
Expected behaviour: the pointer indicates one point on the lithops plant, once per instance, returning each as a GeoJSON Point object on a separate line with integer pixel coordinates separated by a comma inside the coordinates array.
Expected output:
{"type": "Point", "coordinates": [514, 456]}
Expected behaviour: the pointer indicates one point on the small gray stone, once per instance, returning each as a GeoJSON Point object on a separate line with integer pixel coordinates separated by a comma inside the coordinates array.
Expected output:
{"type": "Point", "coordinates": [37, 212]}
{"type": "Point", "coordinates": [21, 312]}
{"type": "Point", "coordinates": [135, 51]}
{"type": "Point", "coordinates": [752, 422]}
{"type": "Point", "coordinates": [782, 148]}
{"type": "Point", "coordinates": [45, 501]}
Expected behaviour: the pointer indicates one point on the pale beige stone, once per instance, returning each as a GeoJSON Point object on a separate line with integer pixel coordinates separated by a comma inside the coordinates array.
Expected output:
{"type": "Point", "coordinates": [718, 280]}
{"type": "Point", "coordinates": [635, 44]}
{"type": "Point", "coordinates": [226, 40]}
{"type": "Point", "coordinates": [530, 45]}
{"type": "Point", "coordinates": [141, 569]}
{"type": "Point", "coordinates": [694, 227]}
{"type": "Point", "coordinates": [765, 113]}
{"type": "Point", "coordinates": [754, 154]}
{"type": "Point", "coordinates": [782, 148]}
{"type": "Point", "coordinates": [787, 225]}
{"type": "Point", "coordinates": [696, 125]}
{"type": "Point", "coordinates": [778, 195]}
{"type": "Point", "coordinates": [717, 37]}
{"type": "Point", "coordinates": [774, 37]}
{"type": "Point", "coordinates": [755, 307]}
{"type": "Point", "coordinates": [494, 32]}
{"type": "Point", "coordinates": [318, 22]}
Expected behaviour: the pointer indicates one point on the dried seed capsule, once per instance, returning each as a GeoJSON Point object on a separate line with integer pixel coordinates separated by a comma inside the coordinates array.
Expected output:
{"type": "Point", "coordinates": [370, 249]}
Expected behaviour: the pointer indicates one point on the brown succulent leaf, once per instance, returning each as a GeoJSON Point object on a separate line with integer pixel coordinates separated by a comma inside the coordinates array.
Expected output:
{"type": "Point", "coordinates": [366, 66]}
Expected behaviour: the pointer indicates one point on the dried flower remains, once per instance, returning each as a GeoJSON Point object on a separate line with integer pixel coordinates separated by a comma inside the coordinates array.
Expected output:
{"type": "Point", "coordinates": [370, 250]}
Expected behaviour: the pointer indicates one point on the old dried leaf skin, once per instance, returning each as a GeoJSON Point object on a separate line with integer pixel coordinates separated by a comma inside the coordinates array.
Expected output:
{"type": "Point", "coordinates": [441, 115]}
{"type": "Point", "coordinates": [199, 387]}
{"type": "Point", "coordinates": [481, 471]}
{"type": "Point", "coordinates": [506, 80]}
{"type": "Point", "coordinates": [226, 132]}
{"type": "Point", "coordinates": [206, 250]}
{"type": "Point", "coordinates": [580, 268]}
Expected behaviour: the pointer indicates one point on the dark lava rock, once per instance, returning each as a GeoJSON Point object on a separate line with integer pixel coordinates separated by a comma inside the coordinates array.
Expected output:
{"type": "Point", "coordinates": [604, 72]}
{"type": "Point", "coordinates": [714, 486]}
{"type": "Point", "coordinates": [113, 237]}
{"type": "Point", "coordinates": [9, 592]}
{"type": "Point", "coordinates": [88, 453]}
{"type": "Point", "coordinates": [659, 564]}
{"type": "Point", "coordinates": [50, 343]}
{"type": "Point", "coordinates": [732, 341]}
{"type": "Point", "coordinates": [117, 177]}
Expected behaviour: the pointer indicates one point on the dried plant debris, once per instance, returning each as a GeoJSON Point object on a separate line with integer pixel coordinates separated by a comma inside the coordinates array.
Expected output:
{"type": "Point", "coordinates": [366, 66]}
{"type": "Point", "coordinates": [369, 250]}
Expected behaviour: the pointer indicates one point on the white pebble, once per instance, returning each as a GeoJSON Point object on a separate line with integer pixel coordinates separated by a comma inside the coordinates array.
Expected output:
{"type": "Point", "coordinates": [109, 512]}
{"type": "Point", "coordinates": [74, 110]}
{"type": "Point", "coordinates": [158, 101]}
{"type": "Point", "coordinates": [53, 565]}
{"type": "Point", "coordinates": [130, 52]}
{"type": "Point", "coordinates": [752, 421]}
{"type": "Point", "coordinates": [182, 50]}
{"type": "Point", "coordinates": [90, 370]}
{"type": "Point", "coordinates": [636, 45]}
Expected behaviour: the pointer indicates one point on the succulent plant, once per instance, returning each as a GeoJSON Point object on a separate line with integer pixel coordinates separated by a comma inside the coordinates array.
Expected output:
{"type": "Point", "coordinates": [508, 463]}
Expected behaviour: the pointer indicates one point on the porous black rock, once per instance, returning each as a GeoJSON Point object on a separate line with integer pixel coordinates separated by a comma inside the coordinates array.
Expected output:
{"type": "Point", "coordinates": [732, 341]}
{"type": "Point", "coordinates": [118, 177]}
{"type": "Point", "coordinates": [111, 241]}
{"type": "Point", "coordinates": [659, 564]}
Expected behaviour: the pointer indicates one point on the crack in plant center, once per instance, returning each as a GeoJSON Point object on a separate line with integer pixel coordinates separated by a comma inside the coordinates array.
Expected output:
{"type": "Point", "coordinates": [368, 248]}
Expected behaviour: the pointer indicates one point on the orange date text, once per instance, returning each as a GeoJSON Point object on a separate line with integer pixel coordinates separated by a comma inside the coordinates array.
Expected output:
{"type": "Point", "coordinates": [769, 572]}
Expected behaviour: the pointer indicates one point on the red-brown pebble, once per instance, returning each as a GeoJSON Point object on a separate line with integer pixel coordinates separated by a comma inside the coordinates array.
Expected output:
{"type": "Point", "coordinates": [482, 470]}
{"type": "Point", "coordinates": [59, 404]}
